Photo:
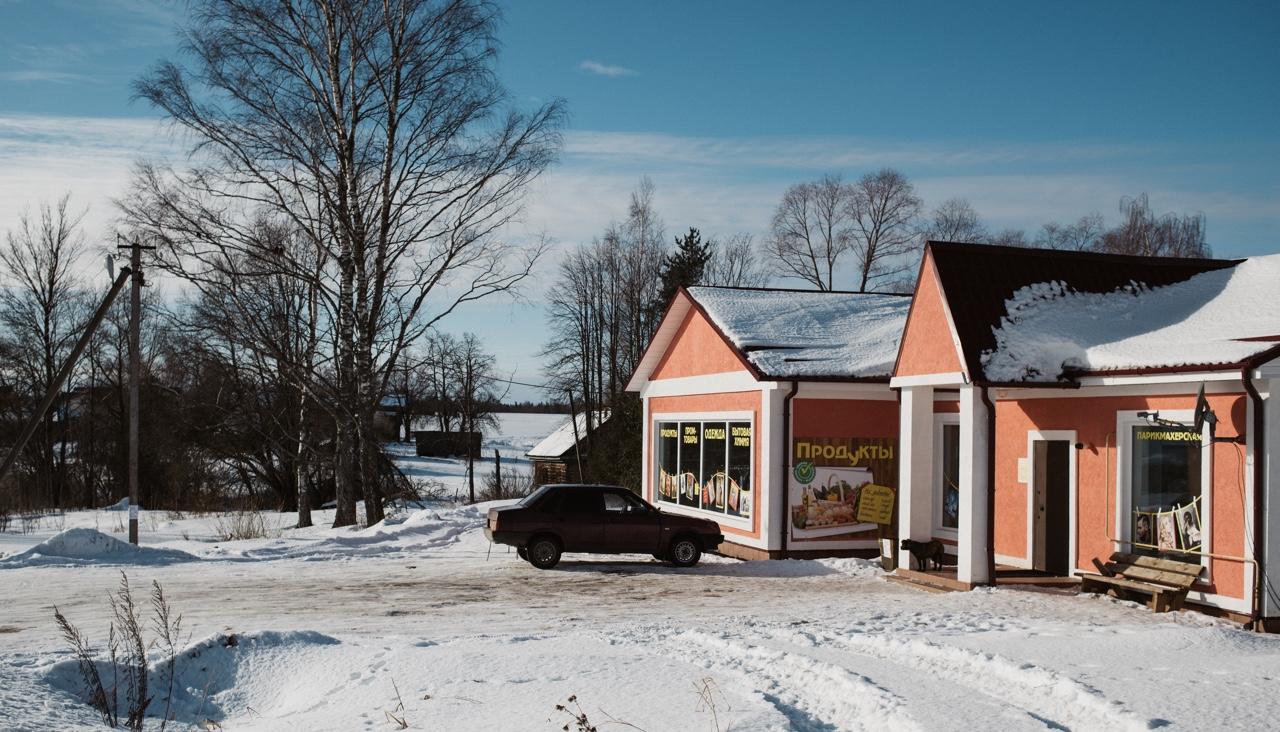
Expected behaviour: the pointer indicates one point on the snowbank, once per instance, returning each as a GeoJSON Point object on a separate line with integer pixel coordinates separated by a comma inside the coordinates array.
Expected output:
{"type": "Point", "coordinates": [223, 676]}
{"type": "Point", "coordinates": [1206, 320]}
{"type": "Point", "coordinates": [90, 546]}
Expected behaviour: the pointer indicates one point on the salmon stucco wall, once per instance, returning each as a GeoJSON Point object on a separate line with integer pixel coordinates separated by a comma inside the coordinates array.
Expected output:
{"type": "Point", "coordinates": [927, 346]}
{"type": "Point", "coordinates": [697, 349]}
{"type": "Point", "coordinates": [738, 401]}
{"type": "Point", "coordinates": [1094, 420]}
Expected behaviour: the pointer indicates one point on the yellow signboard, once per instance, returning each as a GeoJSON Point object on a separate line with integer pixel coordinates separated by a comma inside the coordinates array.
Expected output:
{"type": "Point", "coordinates": [875, 504]}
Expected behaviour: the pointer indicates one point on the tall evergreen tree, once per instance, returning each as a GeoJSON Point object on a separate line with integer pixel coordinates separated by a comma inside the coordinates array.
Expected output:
{"type": "Point", "coordinates": [683, 267]}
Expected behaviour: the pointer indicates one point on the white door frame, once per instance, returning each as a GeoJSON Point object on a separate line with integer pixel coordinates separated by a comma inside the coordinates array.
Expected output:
{"type": "Point", "coordinates": [1069, 436]}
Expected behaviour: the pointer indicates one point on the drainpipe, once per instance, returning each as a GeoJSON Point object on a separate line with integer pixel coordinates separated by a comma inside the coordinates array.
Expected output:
{"type": "Point", "coordinates": [991, 485]}
{"type": "Point", "coordinates": [786, 464]}
{"type": "Point", "coordinates": [1259, 495]}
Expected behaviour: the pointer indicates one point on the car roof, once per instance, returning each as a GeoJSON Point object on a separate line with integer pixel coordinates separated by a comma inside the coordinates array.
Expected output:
{"type": "Point", "coordinates": [600, 486]}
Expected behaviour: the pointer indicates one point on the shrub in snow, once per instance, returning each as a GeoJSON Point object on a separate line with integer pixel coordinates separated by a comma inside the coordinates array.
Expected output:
{"type": "Point", "coordinates": [119, 686]}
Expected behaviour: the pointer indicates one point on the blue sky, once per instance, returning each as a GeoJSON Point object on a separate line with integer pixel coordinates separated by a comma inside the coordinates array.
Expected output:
{"type": "Point", "coordinates": [1032, 111]}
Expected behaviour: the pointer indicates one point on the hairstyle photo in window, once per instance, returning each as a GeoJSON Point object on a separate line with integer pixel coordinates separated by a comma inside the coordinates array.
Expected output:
{"type": "Point", "coordinates": [1165, 471]}
{"type": "Point", "coordinates": [668, 450]}
{"type": "Point", "coordinates": [738, 500]}
{"type": "Point", "coordinates": [714, 457]}
{"type": "Point", "coordinates": [690, 463]}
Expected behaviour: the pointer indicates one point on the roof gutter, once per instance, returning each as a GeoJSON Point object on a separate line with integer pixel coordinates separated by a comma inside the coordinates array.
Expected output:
{"type": "Point", "coordinates": [991, 484]}
{"type": "Point", "coordinates": [786, 467]}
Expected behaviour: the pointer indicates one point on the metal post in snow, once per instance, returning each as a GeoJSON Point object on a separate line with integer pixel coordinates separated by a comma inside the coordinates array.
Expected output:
{"type": "Point", "coordinates": [135, 361]}
{"type": "Point", "coordinates": [135, 376]}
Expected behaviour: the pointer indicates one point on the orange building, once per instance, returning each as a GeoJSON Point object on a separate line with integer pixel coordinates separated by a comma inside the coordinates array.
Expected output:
{"type": "Point", "coordinates": [1046, 407]}
{"type": "Point", "coordinates": [733, 375]}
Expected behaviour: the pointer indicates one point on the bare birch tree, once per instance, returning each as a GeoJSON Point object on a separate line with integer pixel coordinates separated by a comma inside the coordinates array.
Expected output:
{"type": "Point", "coordinates": [736, 262]}
{"type": "Point", "coordinates": [812, 229]}
{"type": "Point", "coordinates": [884, 210]}
{"type": "Point", "coordinates": [377, 131]}
{"type": "Point", "coordinates": [955, 220]}
{"type": "Point", "coordinates": [1144, 233]}
{"type": "Point", "coordinates": [42, 306]}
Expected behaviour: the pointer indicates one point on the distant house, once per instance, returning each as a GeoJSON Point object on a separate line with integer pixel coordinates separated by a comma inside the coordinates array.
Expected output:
{"type": "Point", "coordinates": [555, 459]}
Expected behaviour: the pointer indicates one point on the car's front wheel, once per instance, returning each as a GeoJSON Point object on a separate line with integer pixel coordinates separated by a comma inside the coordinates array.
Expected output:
{"type": "Point", "coordinates": [544, 552]}
{"type": "Point", "coordinates": [685, 552]}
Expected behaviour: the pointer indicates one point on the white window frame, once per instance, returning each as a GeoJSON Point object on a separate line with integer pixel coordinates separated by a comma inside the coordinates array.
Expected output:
{"type": "Point", "coordinates": [1125, 422]}
{"type": "Point", "coordinates": [940, 419]}
{"type": "Point", "coordinates": [724, 518]}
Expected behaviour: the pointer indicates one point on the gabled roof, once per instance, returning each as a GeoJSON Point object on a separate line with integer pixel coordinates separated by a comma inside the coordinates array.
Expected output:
{"type": "Point", "coordinates": [792, 334]}
{"type": "Point", "coordinates": [1033, 315]}
{"type": "Point", "coordinates": [561, 441]}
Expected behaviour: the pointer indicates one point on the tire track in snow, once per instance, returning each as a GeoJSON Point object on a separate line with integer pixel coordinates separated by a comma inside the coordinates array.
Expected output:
{"type": "Point", "coordinates": [813, 695]}
{"type": "Point", "coordinates": [1052, 699]}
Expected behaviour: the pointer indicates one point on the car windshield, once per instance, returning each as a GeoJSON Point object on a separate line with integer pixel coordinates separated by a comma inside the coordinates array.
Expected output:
{"type": "Point", "coordinates": [534, 497]}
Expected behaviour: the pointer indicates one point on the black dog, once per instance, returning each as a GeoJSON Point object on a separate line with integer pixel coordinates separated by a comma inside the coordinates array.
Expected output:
{"type": "Point", "coordinates": [924, 551]}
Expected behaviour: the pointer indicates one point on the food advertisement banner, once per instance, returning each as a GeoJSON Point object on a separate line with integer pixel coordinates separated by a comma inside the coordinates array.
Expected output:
{"type": "Point", "coordinates": [827, 478]}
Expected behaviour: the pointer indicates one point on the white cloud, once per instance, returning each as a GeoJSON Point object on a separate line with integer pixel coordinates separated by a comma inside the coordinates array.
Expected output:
{"type": "Point", "coordinates": [599, 69]}
{"type": "Point", "coordinates": [41, 76]}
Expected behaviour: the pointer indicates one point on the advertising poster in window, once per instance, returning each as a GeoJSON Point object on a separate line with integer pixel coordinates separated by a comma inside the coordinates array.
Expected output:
{"type": "Point", "coordinates": [668, 450]}
{"type": "Point", "coordinates": [827, 477]}
{"type": "Point", "coordinates": [705, 465]}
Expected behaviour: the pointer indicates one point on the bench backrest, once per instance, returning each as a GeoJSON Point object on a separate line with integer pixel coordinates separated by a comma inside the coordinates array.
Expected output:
{"type": "Point", "coordinates": [1168, 572]}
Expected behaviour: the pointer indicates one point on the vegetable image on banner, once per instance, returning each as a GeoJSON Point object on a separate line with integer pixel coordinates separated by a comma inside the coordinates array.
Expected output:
{"type": "Point", "coordinates": [827, 479]}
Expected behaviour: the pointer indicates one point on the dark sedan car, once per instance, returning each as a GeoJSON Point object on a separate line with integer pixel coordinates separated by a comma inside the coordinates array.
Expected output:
{"type": "Point", "coordinates": [601, 519]}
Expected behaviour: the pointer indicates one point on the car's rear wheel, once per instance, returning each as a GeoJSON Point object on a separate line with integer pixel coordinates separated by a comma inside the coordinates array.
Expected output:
{"type": "Point", "coordinates": [685, 552]}
{"type": "Point", "coordinates": [522, 553]}
{"type": "Point", "coordinates": [544, 552]}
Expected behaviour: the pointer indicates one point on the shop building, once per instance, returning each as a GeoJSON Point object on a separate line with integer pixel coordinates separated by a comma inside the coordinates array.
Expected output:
{"type": "Point", "coordinates": [735, 375]}
{"type": "Point", "coordinates": [1047, 412]}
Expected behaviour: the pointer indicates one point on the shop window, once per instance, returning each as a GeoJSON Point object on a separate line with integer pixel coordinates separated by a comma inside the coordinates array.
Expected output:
{"type": "Point", "coordinates": [668, 454]}
{"type": "Point", "coordinates": [1165, 490]}
{"type": "Point", "coordinates": [738, 500]}
{"type": "Point", "coordinates": [705, 465]}
{"type": "Point", "coordinates": [690, 463]}
{"type": "Point", "coordinates": [949, 477]}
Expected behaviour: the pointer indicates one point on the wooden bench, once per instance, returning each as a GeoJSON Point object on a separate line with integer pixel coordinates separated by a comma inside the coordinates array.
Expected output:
{"type": "Point", "coordinates": [1166, 581]}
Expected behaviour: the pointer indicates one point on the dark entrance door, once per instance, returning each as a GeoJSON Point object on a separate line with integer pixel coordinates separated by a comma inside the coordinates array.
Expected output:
{"type": "Point", "coordinates": [1052, 504]}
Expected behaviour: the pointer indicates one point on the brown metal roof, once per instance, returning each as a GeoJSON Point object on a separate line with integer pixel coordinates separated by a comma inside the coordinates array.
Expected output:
{"type": "Point", "coordinates": [977, 279]}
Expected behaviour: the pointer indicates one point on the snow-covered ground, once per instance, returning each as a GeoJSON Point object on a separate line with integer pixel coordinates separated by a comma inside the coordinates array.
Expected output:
{"type": "Point", "coordinates": [420, 617]}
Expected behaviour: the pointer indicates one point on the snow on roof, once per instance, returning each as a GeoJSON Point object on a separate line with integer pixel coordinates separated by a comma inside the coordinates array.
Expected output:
{"type": "Point", "coordinates": [561, 440]}
{"type": "Point", "coordinates": [796, 334]}
{"type": "Point", "coordinates": [1220, 317]}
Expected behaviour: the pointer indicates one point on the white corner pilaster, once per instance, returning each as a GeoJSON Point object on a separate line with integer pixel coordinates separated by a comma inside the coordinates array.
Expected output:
{"type": "Point", "coordinates": [773, 468]}
{"type": "Point", "coordinates": [972, 552]}
{"type": "Point", "coordinates": [915, 467]}
{"type": "Point", "coordinates": [1269, 454]}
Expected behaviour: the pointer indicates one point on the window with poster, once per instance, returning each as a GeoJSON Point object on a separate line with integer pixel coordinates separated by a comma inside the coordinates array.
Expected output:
{"type": "Point", "coordinates": [1163, 478]}
{"type": "Point", "coordinates": [946, 474]}
{"type": "Point", "coordinates": [705, 464]}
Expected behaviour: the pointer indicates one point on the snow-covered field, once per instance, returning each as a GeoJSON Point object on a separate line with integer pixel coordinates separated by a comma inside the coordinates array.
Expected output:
{"type": "Point", "coordinates": [420, 617]}
{"type": "Point", "coordinates": [515, 435]}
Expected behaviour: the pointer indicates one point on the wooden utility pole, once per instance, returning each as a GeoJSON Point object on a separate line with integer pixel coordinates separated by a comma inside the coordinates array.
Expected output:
{"type": "Point", "coordinates": [135, 376]}
{"type": "Point", "coordinates": [61, 378]}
